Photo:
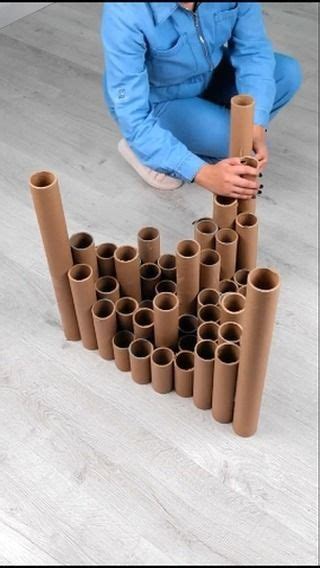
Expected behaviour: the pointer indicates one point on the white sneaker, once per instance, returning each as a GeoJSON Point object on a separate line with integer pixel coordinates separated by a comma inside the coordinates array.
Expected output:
{"type": "Point", "coordinates": [151, 177]}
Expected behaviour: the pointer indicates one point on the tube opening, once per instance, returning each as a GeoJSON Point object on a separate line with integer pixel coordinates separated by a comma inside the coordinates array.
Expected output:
{"type": "Point", "coordinates": [226, 236]}
{"type": "Point", "coordinates": [209, 257]}
{"type": "Point", "coordinates": [126, 306]}
{"type": "Point", "coordinates": [206, 350]}
{"type": "Point", "coordinates": [185, 360]}
{"type": "Point", "coordinates": [162, 356]}
{"type": "Point", "coordinates": [241, 276]}
{"type": "Point", "coordinates": [126, 253]}
{"type": "Point", "coordinates": [247, 220]}
{"type": "Point", "coordinates": [227, 286]}
{"type": "Point", "coordinates": [264, 279]}
{"type": "Point", "coordinates": [122, 339]}
{"type": "Point", "coordinates": [106, 250]}
{"type": "Point", "coordinates": [166, 286]}
{"type": "Point", "coordinates": [141, 348]}
{"type": "Point", "coordinates": [165, 301]}
{"type": "Point", "coordinates": [225, 201]}
{"type": "Point", "coordinates": [149, 271]}
{"type": "Point", "coordinates": [208, 296]}
{"type": "Point", "coordinates": [208, 330]}
{"type": "Point", "coordinates": [209, 313]}
{"type": "Point", "coordinates": [167, 261]}
{"type": "Point", "coordinates": [242, 100]}
{"type": "Point", "coordinates": [188, 323]}
{"type": "Point", "coordinates": [42, 179]}
{"type": "Point", "coordinates": [103, 308]}
{"type": "Point", "coordinates": [146, 304]}
{"type": "Point", "coordinates": [234, 302]}
{"type": "Point", "coordinates": [187, 342]}
{"type": "Point", "coordinates": [230, 331]}
{"type": "Point", "coordinates": [81, 240]}
{"type": "Point", "coordinates": [106, 284]}
{"type": "Point", "coordinates": [80, 272]}
{"type": "Point", "coordinates": [148, 233]}
{"type": "Point", "coordinates": [207, 227]}
{"type": "Point", "coordinates": [228, 353]}
{"type": "Point", "coordinates": [188, 248]}
{"type": "Point", "coordinates": [144, 317]}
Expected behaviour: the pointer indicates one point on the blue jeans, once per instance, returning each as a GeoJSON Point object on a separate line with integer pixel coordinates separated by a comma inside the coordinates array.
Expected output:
{"type": "Point", "coordinates": [202, 123]}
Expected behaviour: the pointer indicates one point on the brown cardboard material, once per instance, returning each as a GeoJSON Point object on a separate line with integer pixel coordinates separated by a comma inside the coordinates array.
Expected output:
{"type": "Point", "coordinates": [105, 325]}
{"type": "Point", "coordinates": [140, 360]}
{"type": "Point", "coordinates": [108, 287]}
{"type": "Point", "coordinates": [105, 257]}
{"type": "Point", "coordinates": [83, 293]}
{"type": "Point", "coordinates": [209, 313]}
{"type": "Point", "coordinates": [44, 187]}
{"type": "Point", "coordinates": [125, 309]}
{"type": "Point", "coordinates": [204, 233]}
{"type": "Point", "coordinates": [230, 332]}
{"type": "Point", "coordinates": [232, 307]}
{"type": "Point", "coordinates": [240, 277]}
{"type": "Point", "coordinates": [227, 285]}
{"type": "Point", "coordinates": [203, 374]}
{"type": "Point", "coordinates": [146, 304]}
{"type": "Point", "coordinates": [188, 324]}
{"type": "Point", "coordinates": [127, 265]}
{"type": "Point", "coordinates": [207, 296]}
{"type": "Point", "coordinates": [247, 229]}
{"type": "Point", "coordinates": [84, 251]}
{"type": "Point", "coordinates": [248, 205]}
{"type": "Point", "coordinates": [187, 343]}
{"type": "Point", "coordinates": [210, 266]}
{"type": "Point", "coordinates": [183, 373]}
{"type": "Point", "coordinates": [241, 125]}
{"type": "Point", "coordinates": [224, 381]}
{"type": "Point", "coordinates": [243, 290]}
{"type": "Point", "coordinates": [188, 275]}
{"type": "Point", "coordinates": [166, 318]}
{"type": "Point", "coordinates": [225, 210]}
{"type": "Point", "coordinates": [208, 330]}
{"type": "Point", "coordinates": [261, 304]}
{"type": "Point", "coordinates": [150, 275]}
{"type": "Point", "coordinates": [226, 245]}
{"type": "Point", "coordinates": [166, 286]}
{"type": "Point", "coordinates": [121, 342]}
{"type": "Point", "coordinates": [162, 370]}
{"type": "Point", "coordinates": [167, 265]}
{"type": "Point", "coordinates": [149, 244]}
{"type": "Point", "coordinates": [143, 324]}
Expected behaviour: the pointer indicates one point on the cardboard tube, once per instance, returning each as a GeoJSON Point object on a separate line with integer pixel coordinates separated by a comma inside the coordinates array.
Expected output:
{"type": "Point", "coordinates": [210, 266]}
{"type": "Point", "coordinates": [84, 251]}
{"type": "Point", "coordinates": [146, 304]}
{"type": "Point", "coordinates": [143, 324]}
{"type": "Point", "coordinates": [183, 373]}
{"type": "Point", "coordinates": [83, 293]}
{"type": "Point", "coordinates": [105, 257]}
{"type": "Point", "coordinates": [247, 229]}
{"type": "Point", "coordinates": [227, 285]}
{"type": "Point", "coordinates": [149, 244]}
{"type": "Point", "coordinates": [125, 309]}
{"type": "Point", "coordinates": [140, 356]}
{"type": "Point", "coordinates": [224, 381]}
{"type": "Point", "coordinates": [188, 324]}
{"type": "Point", "coordinates": [241, 125]}
{"type": "Point", "coordinates": [187, 343]}
{"type": "Point", "coordinates": [248, 205]}
{"type": "Point", "coordinates": [261, 304]}
{"type": "Point", "coordinates": [209, 313]}
{"type": "Point", "coordinates": [203, 374]}
{"type": "Point", "coordinates": [232, 307]}
{"type": "Point", "coordinates": [46, 199]}
{"type": "Point", "coordinates": [105, 325]}
{"type": "Point", "coordinates": [208, 330]}
{"type": "Point", "coordinates": [188, 275]}
{"type": "Point", "coordinates": [230, 332]}
{"type": "Point", "coordinates": [167, 265]}
{"type": "Point", "coordinates": [207, 296]}
{"type": "Point", "coordinates": [150, 275]}
{"type": "Point", "coordinates": [166, 286]}
{"type": "Point", "coordinates": [204, 233]}
{"type": "Point", "coordinates": [162, 370]}
{"type": "Point", "coordinates": [226, 245]}
{"type": "Point", "coordinates": [225, 210]}
{"type": "Point", "coordinates": [127, 264]}
{"type": "Point", "coordinates": [240, 277]}
{"type": "Point", "coordinates": [121, 342]}
{"type": "Point", "coordinates": [107, 287]}
{"type": "Point", "coordinates": [243, 290]}
{"type": "Point", "coordinates": [166, 318]}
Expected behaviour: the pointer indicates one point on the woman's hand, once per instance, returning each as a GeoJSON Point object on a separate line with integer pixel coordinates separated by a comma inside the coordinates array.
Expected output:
{"type": "Point", "coordinates": [260, 146]}
{"type": "Point", "coordinates": [225, 178]}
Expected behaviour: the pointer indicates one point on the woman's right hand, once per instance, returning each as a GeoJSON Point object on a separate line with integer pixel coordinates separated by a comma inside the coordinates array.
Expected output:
{"type": "Point", "coordinates": [226, 178]}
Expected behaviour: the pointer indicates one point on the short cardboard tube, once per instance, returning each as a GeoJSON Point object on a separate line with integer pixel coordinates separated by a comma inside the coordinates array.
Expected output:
{"type": "Point", "coordinates": [127, 265]}
{"type": "Point", "coordinates": [209, 314]}
{"type": "Point", "coordinates": [224, 381]}
{"type": "Point", "coordinates": [150, 275]}
{"type": "Point", "coordinates": [226, 245]}
{"type": "Point", "coordinates": [204, 233]}
{"type": "Point", "coordinates": [243, 290]}
{"type": "Point", "coordinates": [187, 343]}
{"type": "Point", "coordinates": [188, 275]}
{"type": "Point", "coordinates": [233, 307]}
{"type": "Point", "coordinates": [84, 251]}
{"type": "Point", "coordinates": [241, 125]}
{"type": "Point", "coordinates": [162, 370]}
{"type": "Point", "coordinates": [105, 257]}
{"type": "Point", "coordinates": [166, 286]}
{"type": "Point", "coordinates": [208, 330]}
{"type": "Point", "coordinates": [140, 360]}
{"type": "Point", "coordinates": [188, 324]}
{"type": "Point", "coordinates": [146, 304]}
{"type": "Point", "coordinates": [227, 285]}
{"type": "Point", "coordinates": [247, 229]}
{"type": "Point", "coordinates": [183, 373]}
{"type": "Point", "coordinates": [203, 374]}
{"type": "Point", "coordinates": [105, 325]}
{"type": "Point", "coordinates": [208, 296]}
{"type": "Point", "coordinates": [210, 267]}
{"type": "Point", "coordinates": [166, 319]}
{"type": "Point", "coordinates": [225, 210]}
{"type": "Point", "coordinates": [230, 332]}
{"type": "Point", "coordinates": [149, 244]}
{"type": "Point", "coordinates": [121, 342]}
{"type": "Point", "coordinates": [125, 309]}
{"type": "Point", "coordinates": [143, 324]}
{"type": "Point", "coordinates": [83, 292]}
{"type": "Point", "coordinates": [108, 287]}
{"type": "Point", "coordinates": [240, 277]}
{"type": "Point", "coordinates": [167, 265]}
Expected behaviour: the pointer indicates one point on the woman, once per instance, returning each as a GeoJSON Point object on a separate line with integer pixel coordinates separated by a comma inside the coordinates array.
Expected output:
{"type": "Point", "coordinates": [171, 69]}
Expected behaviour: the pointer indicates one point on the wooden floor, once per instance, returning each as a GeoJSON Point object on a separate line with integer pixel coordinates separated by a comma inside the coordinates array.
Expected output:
{"type": "Point", "coordinates": [93, 468]}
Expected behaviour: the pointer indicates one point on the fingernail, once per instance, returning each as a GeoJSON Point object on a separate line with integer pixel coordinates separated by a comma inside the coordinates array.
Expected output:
{"type": "Point", "coordinates": [260, 175]}
{"type": "Point", "coordinates": [259, 191]}
{"type": "Point", "coordinates": [261, 186]}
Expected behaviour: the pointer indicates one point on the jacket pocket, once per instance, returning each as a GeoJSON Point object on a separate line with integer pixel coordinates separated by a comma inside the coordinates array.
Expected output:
{"type": "Point", "coordinates": [171, 66]}
{"type": "Point", "coordinates": [224, 21]}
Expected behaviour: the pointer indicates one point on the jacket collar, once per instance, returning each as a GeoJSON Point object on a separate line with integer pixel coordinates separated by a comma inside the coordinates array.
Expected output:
{"type": "Point", "coordinates": [162, 10]}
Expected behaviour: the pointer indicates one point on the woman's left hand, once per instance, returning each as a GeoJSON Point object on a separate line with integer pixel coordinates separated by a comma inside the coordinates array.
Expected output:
{"type": "Point", "coordinates": [260, 146]}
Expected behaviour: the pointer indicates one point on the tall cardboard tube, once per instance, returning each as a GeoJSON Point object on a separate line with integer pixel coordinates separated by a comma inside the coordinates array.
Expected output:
{"type": "Point", "coordinates": [105, 325]}
{"type": "Point", "coordinates": [143, 324]}
{"type": "Point", "coordinates": [188, 275]}
{"type": "Point", "coordinates": [120, 343]}
{"type": "Point", "coordinates": [162, 370]}
{"type": "Point", "coordinates": [187, 343]}
{"type": "Point", "coordinates": [166, 319]}
{"type": "Point", "coordinates": [208, 330]}
{"type": "Point", "coordinates": [108, 287]}
{"type": "Point", "coordinates": [167, 265]}
{"type": "Point", "coordinates": [183, 373]}
{"type": "Point", "coordinates": [247, 229]}
{"type": "Point", "coordinates": [261, 304]}
{"type": "Point", "coordinates": [83, 293]}
{"type": "Point", "coordinates": [127, 264]}
{"type": "Point", "coordinates": [84, 251]}
{"type": "Point", "coordinates": [226, 245]}
{"type": "Point", "coordinates": [125, 309]}
{"type": "Point", "coordinates": [203, 374]}
{"type": "Point", "coordinates": [188, 324]}
{"type": "Point", "coordinates": [225, 210]}
{"type": "Point", "coordinates": [149, 244]}
{"type": "Point", "coordinates": [224, 381]}
{"type": "Point", "coordinates": [208, 296]}
{"type": "Point", "coordinates": [44, 187]}
{"type": "Point", "coordinates": [146, 304]}
{"type": "Point", "coordinates": [210, 266]}
{"type": "Point", "coordinates": [105, 257]}
{"type": "Point", "coordinates": [140, 360]}
{"type": "Point", "coordinates": [241, 125]}
{"type": "Point", "coordinates": [150, 275]}
{"type": "Point", "coordinates": [227, 285]}
{"type": "Point", "coordinates": [233, 307]}
{"type": "Point", "coordinates": [241, 278]}
{"type": "Point", "coordinates": [204, 233]}
{"type": "Point", "coordinates": [209, 314]}
{"type": "Point", "coordinates": [248, 205]}
{"type": "Point", "coordinates": [166, 286]}
{"type": "Point", "coordinates": [230, 332]}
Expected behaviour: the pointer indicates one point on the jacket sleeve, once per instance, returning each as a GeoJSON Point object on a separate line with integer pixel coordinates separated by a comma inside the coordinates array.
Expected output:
{"type": "Point", "coordinates": [127, 86]}
{"type": "Point", "coordinates": [253, 59]}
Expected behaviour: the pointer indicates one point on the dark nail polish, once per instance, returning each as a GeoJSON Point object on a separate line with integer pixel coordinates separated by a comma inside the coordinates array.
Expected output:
{"type": "Point", "coordinates": [260, 175]}
{"type": "Point", "coordinates": [261, 186]}
{"type": "Point", "coordinates": [259, 191]}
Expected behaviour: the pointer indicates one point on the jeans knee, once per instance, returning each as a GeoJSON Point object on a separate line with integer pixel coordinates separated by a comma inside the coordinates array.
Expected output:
{"type": "Point", "coordinates": [291, 74]}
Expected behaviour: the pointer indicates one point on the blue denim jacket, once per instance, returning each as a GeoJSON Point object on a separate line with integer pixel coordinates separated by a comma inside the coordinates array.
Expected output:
{"type": "Point", "coordinates": [158, 51]}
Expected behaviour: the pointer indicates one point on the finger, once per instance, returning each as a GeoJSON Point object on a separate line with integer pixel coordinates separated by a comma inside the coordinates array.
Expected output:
{"type": "Point", "coordinates": [239, 196]}
{"type": "Point", "coordinates": [243, 170]}
{"type": "Point", "coordinates": [235, 161]}
{"type": "Point", "coordinates": [240, 191]}
{"type": "Point", "coordinates": [247, 183]}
